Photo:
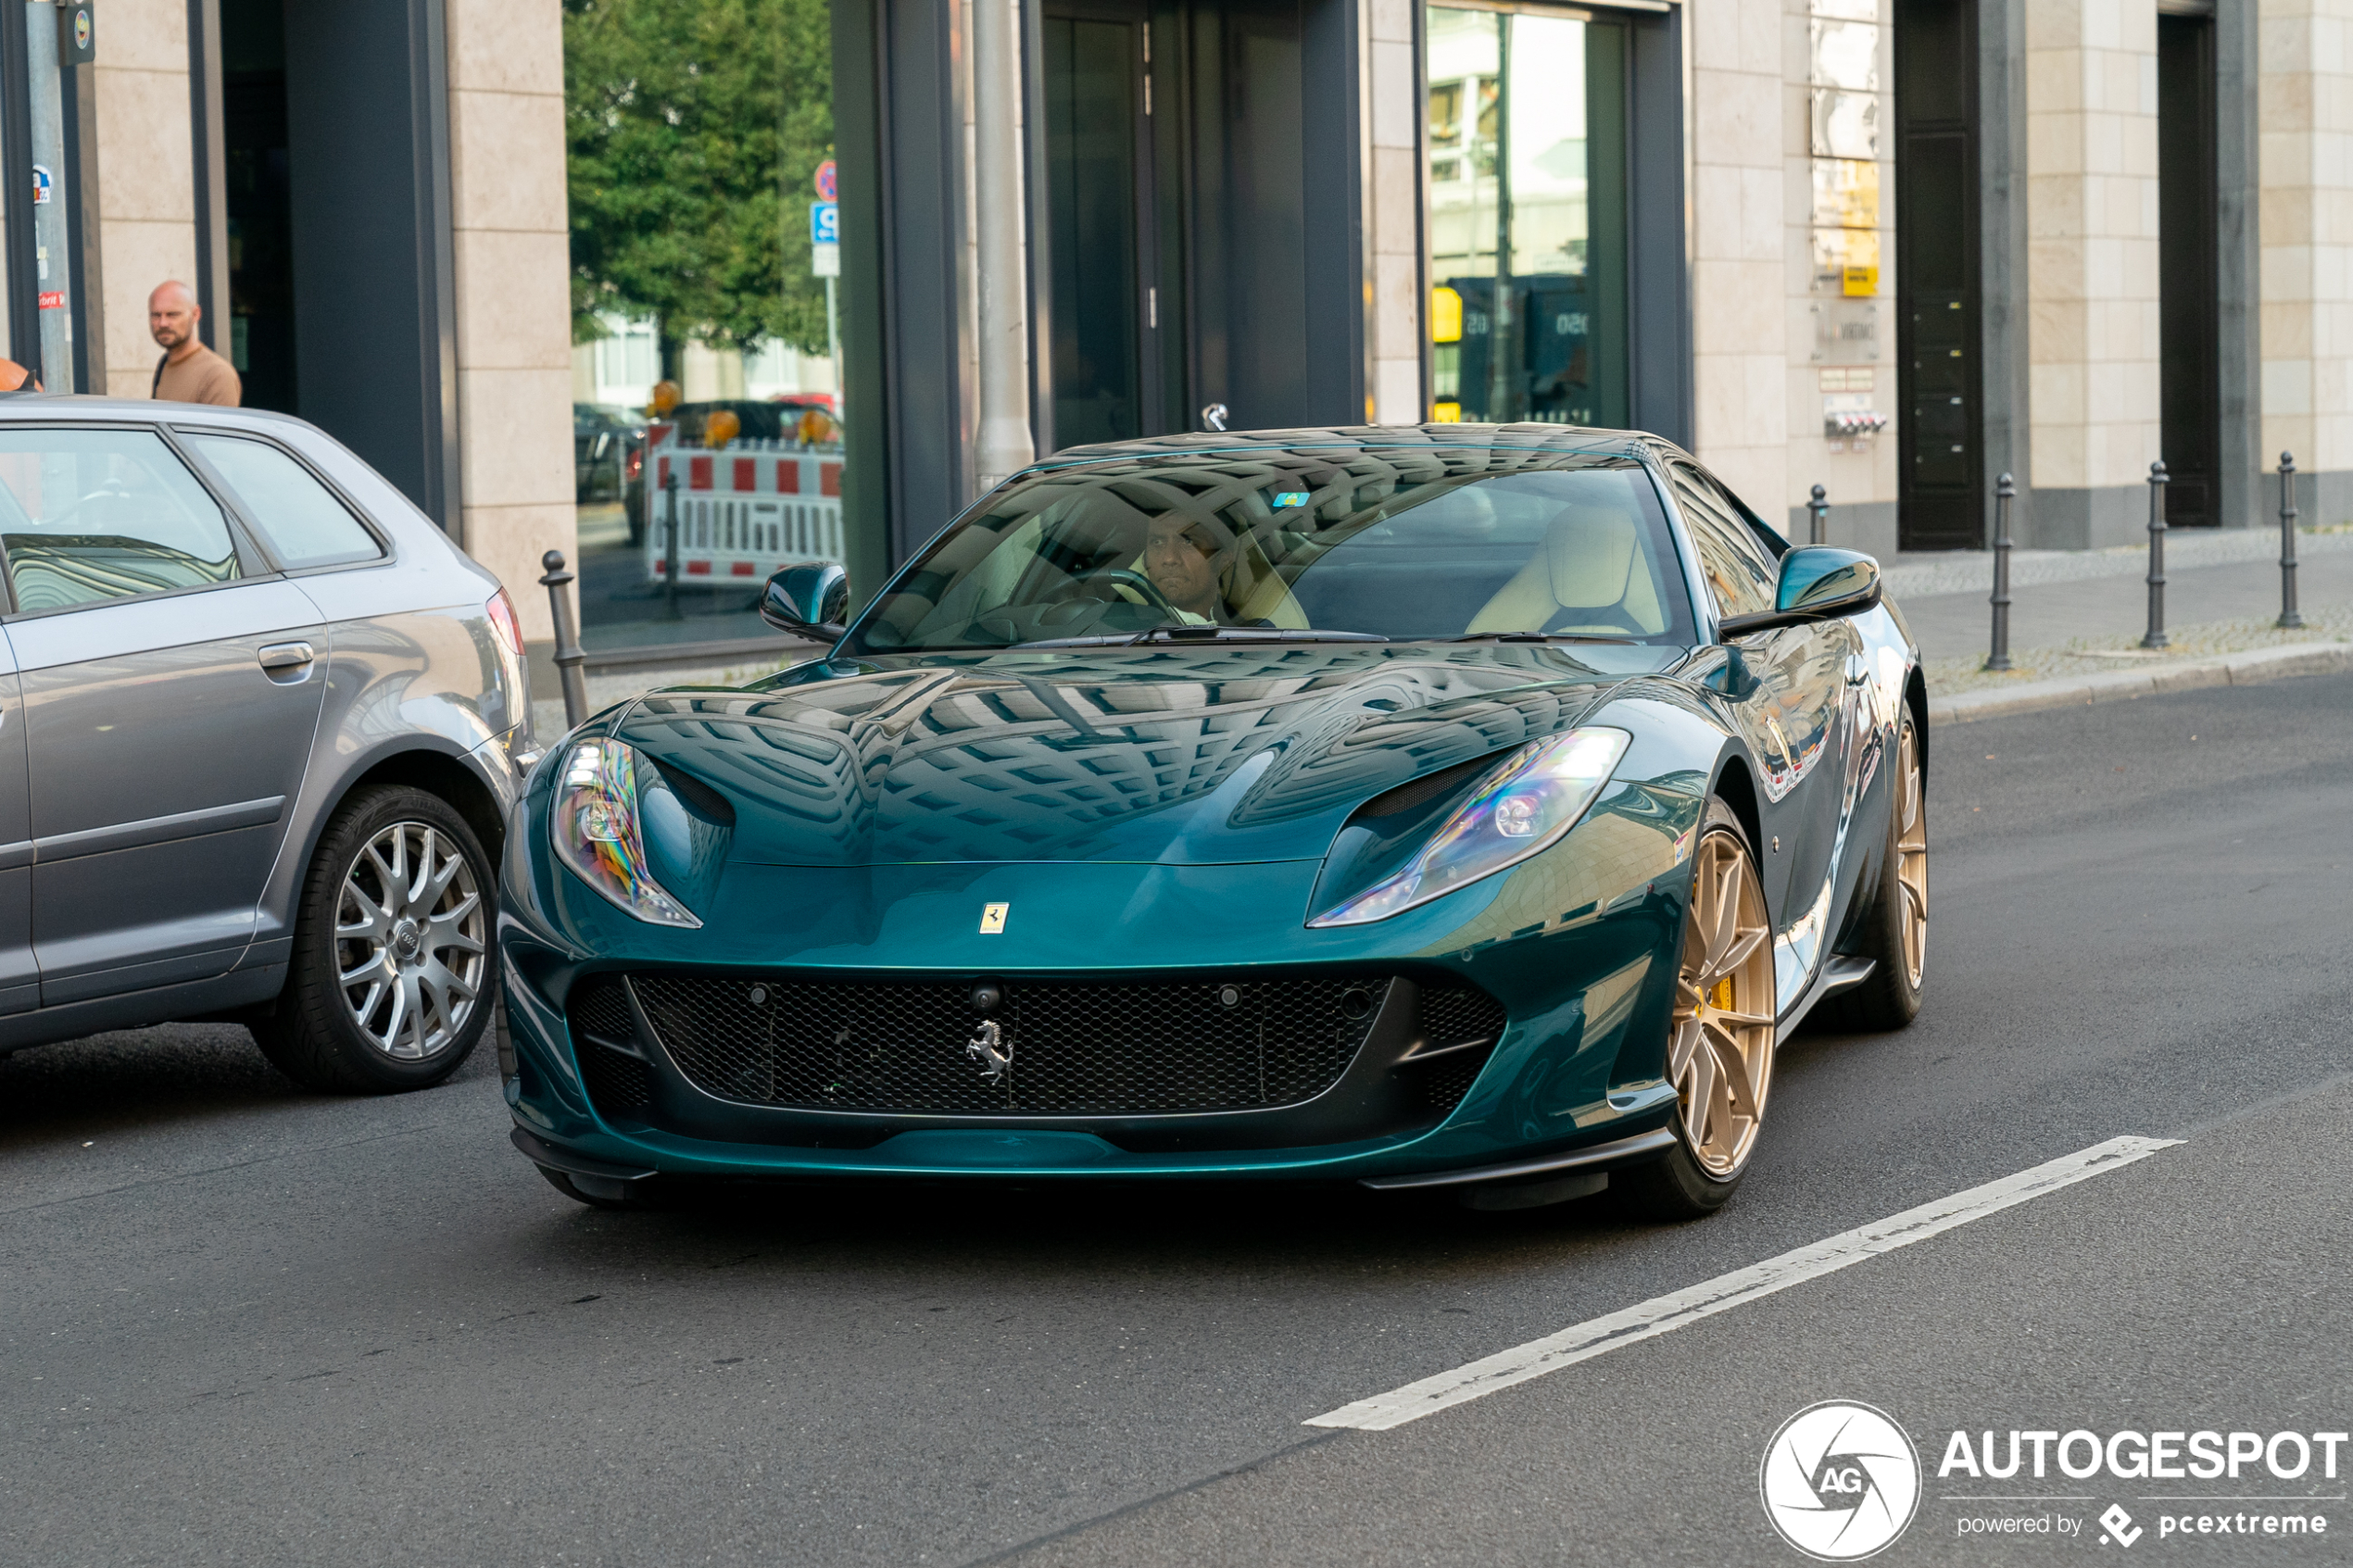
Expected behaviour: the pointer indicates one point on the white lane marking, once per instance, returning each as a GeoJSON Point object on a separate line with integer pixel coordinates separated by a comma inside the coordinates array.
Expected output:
{"type": "Point", "coordinates": [1657, 1316]}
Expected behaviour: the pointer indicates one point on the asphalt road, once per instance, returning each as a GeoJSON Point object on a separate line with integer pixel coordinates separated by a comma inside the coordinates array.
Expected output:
{"type": "Point", "coordinates": [240, 1325]}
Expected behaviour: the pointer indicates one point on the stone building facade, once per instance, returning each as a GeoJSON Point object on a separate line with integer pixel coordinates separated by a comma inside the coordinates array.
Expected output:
{"type": "Point", "coordinates": [1892, 247]}
{"type": "Point", "coordinates": [498, 318]}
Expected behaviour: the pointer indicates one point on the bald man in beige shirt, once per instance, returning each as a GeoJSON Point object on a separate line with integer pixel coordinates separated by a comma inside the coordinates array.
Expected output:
{"type": "Point", "coordinates": [189, 372]}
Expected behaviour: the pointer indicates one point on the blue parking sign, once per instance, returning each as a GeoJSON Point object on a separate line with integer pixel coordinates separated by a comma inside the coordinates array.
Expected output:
{"type": "Point", "coordinates": [824, 223]}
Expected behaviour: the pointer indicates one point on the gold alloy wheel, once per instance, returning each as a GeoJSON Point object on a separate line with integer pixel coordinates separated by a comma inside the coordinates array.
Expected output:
{"type": "Point", "coordinates": [1911, 854]}
{"type": "Point", "coordinates": [1720, 1051]}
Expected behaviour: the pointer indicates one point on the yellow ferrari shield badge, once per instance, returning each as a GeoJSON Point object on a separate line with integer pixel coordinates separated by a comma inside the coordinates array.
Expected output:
{"type": "Point", "coordinates": [992, 919]}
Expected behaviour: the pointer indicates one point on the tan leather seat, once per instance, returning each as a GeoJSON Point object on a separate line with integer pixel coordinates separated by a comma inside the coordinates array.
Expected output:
{"type": "Point", "coordinates": [1269, 597]}
{"type": "Point", "coordinates": [1589, 576]}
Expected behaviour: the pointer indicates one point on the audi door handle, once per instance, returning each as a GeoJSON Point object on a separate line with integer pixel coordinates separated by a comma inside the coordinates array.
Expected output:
{"type": "Point", "coordinates": [286, 656]}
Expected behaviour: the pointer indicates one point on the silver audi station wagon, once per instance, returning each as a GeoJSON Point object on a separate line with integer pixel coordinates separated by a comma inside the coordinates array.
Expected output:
{"type": "Point", "coordinates": [260, 724]}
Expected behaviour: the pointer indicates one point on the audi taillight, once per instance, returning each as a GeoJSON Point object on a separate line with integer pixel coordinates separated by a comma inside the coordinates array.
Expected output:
{"type": "Point", "coordinates": [503, 622]}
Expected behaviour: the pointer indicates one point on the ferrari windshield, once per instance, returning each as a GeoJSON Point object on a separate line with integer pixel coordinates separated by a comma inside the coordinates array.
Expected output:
{"type": "Point", "coordinates": [1396, 543]}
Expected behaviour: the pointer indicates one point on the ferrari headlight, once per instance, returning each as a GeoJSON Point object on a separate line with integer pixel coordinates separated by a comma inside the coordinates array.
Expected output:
{"type": "Point", "coordinates": [595, 832]}
{"type": "Point", "coordinates": [1525, 804]}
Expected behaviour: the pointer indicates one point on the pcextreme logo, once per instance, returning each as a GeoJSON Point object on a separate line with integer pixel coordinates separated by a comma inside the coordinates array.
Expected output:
{"type": "Point", "coordinates": [1840, 1481]}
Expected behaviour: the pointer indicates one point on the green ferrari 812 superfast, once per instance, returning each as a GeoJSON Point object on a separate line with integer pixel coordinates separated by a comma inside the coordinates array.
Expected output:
{"type": "Point", "coordinates": [1466, 808]}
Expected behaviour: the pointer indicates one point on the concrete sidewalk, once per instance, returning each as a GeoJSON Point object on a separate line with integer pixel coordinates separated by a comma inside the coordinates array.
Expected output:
{"type": "Point", "coordinates": [1952, 617]}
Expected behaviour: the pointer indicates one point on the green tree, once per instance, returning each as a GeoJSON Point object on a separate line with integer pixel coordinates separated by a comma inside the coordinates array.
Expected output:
{"type": "Point", "coordinates": [694, 131]}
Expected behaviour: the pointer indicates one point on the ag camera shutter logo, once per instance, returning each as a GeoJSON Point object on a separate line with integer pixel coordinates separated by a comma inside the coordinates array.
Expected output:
{"type": "Point", "coordinates": [1840, 1481]}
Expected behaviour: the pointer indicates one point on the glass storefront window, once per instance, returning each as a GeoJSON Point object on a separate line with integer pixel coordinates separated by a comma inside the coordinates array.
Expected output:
{"type": "Point", "coordinates": [1528, 115]}
{"type": "Point", "coordinates": [1091, 198]}
{"type": "Point", "coordinates": [707, 394]}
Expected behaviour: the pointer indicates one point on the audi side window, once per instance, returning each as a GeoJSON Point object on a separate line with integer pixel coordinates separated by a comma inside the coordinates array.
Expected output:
{"type": "Point", "coordinates": [1738, 571]}
{"type": "Point", "coordinates": [91, 515]}
{"type": "Point", "coordinates": [299, 517]}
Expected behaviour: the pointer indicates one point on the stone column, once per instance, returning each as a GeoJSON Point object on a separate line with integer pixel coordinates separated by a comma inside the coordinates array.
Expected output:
{"type": "Point", "coordinates": [513, 288]}
{"type": "Point", "coordinates": [2003, 258]}
{"type": "Point", "coordinates": [2092, 268]}
{"type": "Point", "coordinates": [1739, 238]}
{"type": "Point", "coordinates": [2305, 157]}
{"type": "Point", "coordinates": [1838, 148]}
{"type": "Point", "coordinates": [1398, 276]}
{"type": "Point", "coordinates": [148, 203]}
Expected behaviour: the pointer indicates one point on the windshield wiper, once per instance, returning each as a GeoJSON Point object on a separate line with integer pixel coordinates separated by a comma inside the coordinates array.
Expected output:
{"type": "Point", "coordinates": [1165, 632]}
{"type": "Point", "coordinates": [1531, 637]}
{"type": "Point", "coordinates": [1207, 635]}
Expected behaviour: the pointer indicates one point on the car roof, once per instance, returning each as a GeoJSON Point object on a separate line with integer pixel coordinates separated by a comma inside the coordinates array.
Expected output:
{"type": "Point", "coordinates": [49, 406]}
{"type": "Point", "coordinates": [1565, 440]}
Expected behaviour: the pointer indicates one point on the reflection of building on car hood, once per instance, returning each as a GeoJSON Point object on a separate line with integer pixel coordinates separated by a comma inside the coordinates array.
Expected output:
{"type": "Point", "coordinates": [1412, 539]}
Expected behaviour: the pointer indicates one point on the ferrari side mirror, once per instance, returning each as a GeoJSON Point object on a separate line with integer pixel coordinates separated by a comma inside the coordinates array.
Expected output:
{"type": "Point", "coordinates": [811, 601]}
{"type": "Point", "coordinates": [1818, 584]}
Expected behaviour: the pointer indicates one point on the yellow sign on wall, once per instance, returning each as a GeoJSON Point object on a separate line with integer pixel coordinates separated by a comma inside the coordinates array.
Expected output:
{"type": "Point", "coordinates": [1846, 261]}
{"type": "Point", "coordinates": [1445, 316]}
{"type": "Point", "coordinates": [1845, 192]}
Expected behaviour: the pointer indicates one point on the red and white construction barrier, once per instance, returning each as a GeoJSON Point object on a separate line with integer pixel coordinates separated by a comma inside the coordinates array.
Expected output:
{"type": "Point", "coordinates": [744, 511]}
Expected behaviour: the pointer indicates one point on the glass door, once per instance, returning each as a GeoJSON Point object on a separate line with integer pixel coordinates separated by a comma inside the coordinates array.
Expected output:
{"type": "Point", "coordinates": [1527, 159]}
{"type": "Point", "coordinates": [708, 250]}
{"type": "Point", "coordinates": [1940, 366]}
{"type": "Point", "coordinates": [2189, 297]}
{"type": "Point", "coordinates": [1104, 307]}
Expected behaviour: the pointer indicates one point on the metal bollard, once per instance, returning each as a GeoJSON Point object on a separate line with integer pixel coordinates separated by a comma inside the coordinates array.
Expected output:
{"type": "Point", "coordinates": [670, 544]}
{"type": "Point", "coordinates": [1821, 506]}
{"type": "Point", "coordinates": [2155, 638]}
{"type": "Point", "coordinates": [569, 658]}
{"type": "Point", "coordinates": [2004, 488]}
{"type": "Point", "coordinates": [2288, 615]}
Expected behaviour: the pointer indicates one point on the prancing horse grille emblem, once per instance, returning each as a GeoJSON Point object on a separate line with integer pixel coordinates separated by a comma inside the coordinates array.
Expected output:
{"type": "Point", "coordinates": [990, 1050]}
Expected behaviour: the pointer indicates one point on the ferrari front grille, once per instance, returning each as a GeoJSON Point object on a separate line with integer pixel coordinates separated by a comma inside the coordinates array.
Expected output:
{"type": "Point", "coordinates": [1044, 1047]}
{"type": "Point", "coordinates": [619, 1084]}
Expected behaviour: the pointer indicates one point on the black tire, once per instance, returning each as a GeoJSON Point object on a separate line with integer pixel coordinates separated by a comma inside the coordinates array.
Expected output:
{"type": "Point", "coordinates": [1673, 1190]}
{"type": "Point", "coordinates": [311, 1034]}
{"type": "Point", "coordinates": [1891, 998]}
{"type": "Point", "coordinates": [1677, 1186]}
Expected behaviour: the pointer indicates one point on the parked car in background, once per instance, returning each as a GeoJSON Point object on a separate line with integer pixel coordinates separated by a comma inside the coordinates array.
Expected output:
{"type": "Point", "coordinates": [261, 723]}
{"type": "Point", "coordinates": [602, 438]}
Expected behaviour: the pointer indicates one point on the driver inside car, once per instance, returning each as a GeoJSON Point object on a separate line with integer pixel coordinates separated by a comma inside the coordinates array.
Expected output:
{"type": "Point", "coordinates": [1189, 568]}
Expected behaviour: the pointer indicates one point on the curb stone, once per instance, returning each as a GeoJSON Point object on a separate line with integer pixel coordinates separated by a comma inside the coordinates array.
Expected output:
{"type": "Point", "coordinates": [2250, 667]}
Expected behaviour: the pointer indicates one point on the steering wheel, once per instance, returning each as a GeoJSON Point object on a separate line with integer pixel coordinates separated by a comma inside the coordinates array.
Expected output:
{"type": "Point", "coordinates": [1124, 577]}
{"type": "Point", "coordinates": [112, 490]}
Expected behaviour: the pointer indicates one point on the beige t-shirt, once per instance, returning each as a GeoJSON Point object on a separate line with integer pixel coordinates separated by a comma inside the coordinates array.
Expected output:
{"type": "Point", "coordinates": [202, 377]}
